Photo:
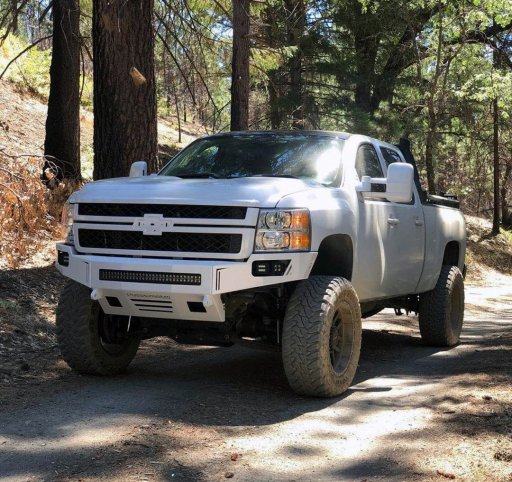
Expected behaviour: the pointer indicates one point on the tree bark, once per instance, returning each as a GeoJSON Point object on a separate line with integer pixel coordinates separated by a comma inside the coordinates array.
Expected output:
{"type": "Point", "coordinates": [430, 146]}
{"type": "Point", "coordinates": [433, 115]}
{"type": "Point", "coordinates": [273, 100]}
{"type": "Point", "coordinates": [496, 169]}
{"type": "Point", "coordinates": [240, 82]}
{"type": "Point", "coordinates": [125, 117]}
{"type": "Point", "coordinates": [14, 24]}
{"type": "Point", "coordinates": [296, 23]}
{"type": "Point", "coordinates": [366, 45]}
{"type": "Point", "coordinates": [506, 214]}
{"type": "Point", "coordinates": [62, 140]}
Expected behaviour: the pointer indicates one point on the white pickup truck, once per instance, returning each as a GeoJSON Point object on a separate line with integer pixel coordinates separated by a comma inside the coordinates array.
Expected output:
{"type": "Point", "coordinates": [285, 239]}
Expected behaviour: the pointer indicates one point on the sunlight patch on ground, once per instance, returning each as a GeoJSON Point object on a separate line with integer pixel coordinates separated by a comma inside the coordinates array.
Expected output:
{"type": "Point", "coordinates": [317, 442]}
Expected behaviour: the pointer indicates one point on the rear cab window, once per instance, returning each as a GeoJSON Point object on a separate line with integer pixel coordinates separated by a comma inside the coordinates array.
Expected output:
{"type": "Point", "coordinates": [389, 155]}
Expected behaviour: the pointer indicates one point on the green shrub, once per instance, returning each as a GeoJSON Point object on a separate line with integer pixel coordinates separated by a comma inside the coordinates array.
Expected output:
{"type": "Point", "coordinates": [31, 71]}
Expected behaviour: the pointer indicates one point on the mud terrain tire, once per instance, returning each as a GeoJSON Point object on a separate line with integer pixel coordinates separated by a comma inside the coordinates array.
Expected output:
{"type": "Point", "coordinates": [78, 321]}
{"type": "Point", "coordinates": [442, 310]}
{"type": "Point", "coordinates": [322, 336]}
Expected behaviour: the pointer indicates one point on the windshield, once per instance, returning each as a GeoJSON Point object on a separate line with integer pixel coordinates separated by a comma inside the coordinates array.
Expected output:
{"type": "Point", "coordinates": [310, 157]}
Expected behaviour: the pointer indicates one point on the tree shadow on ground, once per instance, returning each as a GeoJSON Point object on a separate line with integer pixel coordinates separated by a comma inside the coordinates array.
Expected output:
{"type": "Point", "coordinates": [230, 389]}
{"type": "Point", "coordinates": [27, 329]}
{"type": "Point", "coordinates": [235, 390]}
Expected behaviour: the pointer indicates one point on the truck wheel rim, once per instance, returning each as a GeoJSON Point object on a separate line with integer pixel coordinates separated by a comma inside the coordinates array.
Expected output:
{"type": "Point", "coordinates": [341, 339]}
{"type": "Point", "coordinates": [106, 334]}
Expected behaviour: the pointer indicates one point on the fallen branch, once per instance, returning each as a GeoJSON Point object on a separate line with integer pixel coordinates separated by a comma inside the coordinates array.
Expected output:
{"type": "Point", "coordinates": [2, 185]}
{"type": "Point", "coordinates": [21, 178]}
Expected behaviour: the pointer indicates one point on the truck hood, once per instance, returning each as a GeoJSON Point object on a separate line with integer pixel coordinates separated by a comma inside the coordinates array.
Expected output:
{"type": "Point", "coordinates": [248, 191]}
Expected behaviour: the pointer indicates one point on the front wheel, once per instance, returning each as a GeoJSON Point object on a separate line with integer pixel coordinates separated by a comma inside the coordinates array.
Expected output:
{"type": "Point", "coordinates": [441, 312]}
{"type": "Point", "coordinates": [322, 336]}
{"type": "Point", "coordinates": [90, 341]}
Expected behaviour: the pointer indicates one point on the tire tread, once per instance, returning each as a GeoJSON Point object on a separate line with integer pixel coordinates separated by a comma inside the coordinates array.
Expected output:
{"type": "Point", "coordinates": [435, 328]}
{"type": "Point", "coordinates": [76, 338]}
{"type": "Point", "coordinates": [304, 329]}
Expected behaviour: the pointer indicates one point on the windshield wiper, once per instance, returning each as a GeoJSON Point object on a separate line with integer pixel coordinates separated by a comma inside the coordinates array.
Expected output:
{"type": "Point", "coordinates": [199, 175]}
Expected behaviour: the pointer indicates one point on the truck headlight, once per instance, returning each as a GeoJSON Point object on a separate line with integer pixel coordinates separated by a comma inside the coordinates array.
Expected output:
{"type": "Point", "coordinates": [67, 219]}
{"type": "Point", "coordinates": [283, 230]}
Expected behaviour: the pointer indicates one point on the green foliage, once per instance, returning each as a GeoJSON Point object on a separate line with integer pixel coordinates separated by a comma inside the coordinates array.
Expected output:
{"type": "Point", "coordinates": [31, 71]}
{"type": "Point", "coordinates": [87, 162]}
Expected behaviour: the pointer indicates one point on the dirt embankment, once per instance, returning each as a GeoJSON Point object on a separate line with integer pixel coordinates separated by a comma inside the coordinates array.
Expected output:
{"type": "Point", "coordinates": [29, 212]}
{"type": "Point", "coordinates": [23, 118]}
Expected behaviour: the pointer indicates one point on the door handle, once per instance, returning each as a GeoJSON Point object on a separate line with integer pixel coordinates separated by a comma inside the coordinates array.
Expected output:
{"type": "Point", "coordinates": [393, 221]}
{"type": "Point", "coordinates": [418, 222]}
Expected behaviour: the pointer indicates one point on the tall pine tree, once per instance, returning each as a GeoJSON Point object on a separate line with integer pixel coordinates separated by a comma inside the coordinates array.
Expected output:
{"type": "Point", "coordinates": [62, 141]}
{"type": "Point", "coordinates": [240, 84]}
{"type": "Point", "coordinates": [125, 117]}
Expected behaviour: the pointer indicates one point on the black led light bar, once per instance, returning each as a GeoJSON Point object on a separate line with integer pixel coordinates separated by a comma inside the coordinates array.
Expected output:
{"type": "Point", "coordinates": [150, 277]}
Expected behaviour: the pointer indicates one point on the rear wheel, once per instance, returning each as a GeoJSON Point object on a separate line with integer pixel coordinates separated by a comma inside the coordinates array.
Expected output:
{"type": "Point", "coordinates": [90, 341]}
{"type": "Point", "coordinates": [322, 336]}
{"type": "Point", "coordinates": [441, 311]}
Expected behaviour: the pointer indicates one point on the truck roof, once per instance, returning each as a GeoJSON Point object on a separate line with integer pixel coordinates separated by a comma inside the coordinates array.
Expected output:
{"type": "Point", "coordinates": [308, 133]}
{"type": "Point", "coordinates": [337, 135]}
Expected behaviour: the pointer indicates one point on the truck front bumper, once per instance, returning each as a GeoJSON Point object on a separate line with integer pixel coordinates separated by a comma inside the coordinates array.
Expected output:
{"type": "Point", "coordinates": [174, 288]}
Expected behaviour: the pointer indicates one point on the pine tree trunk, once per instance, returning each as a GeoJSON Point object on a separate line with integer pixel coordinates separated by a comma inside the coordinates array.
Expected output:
{"type": "Point", "coordinates": [496, 170]}
{"type": "Point", "coordinates": [14, 23]}
{"type": "Point", "coordinates": [125, 118]}
{"type": "Point", "coordinates": [506, 214]}
{"type": "Point", "coordinates": [62, 140]}
{"type": "Point", "coordinates": [430, 146]}
{"type": "Point", "coordinates": [273, 100]}
{"type": "Point", "coordinates": [296, 11]}
{"type": "Point", "coordinates": [240, 82]}
{"type": "Point", "coordinates": [366, 46]}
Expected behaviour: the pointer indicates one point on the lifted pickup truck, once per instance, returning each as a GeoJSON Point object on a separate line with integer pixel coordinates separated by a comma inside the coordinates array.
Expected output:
{"type": "Point", "coordinates": [285, 239]}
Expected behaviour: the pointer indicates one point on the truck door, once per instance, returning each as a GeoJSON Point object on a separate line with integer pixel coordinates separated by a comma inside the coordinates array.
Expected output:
{"type": "Point", "coordinates": [400, 226]}
{"type": "Point", "coordinates": [406, 226]}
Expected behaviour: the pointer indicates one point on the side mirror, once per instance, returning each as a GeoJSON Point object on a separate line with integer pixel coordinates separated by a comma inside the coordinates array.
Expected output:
{"type": "Point", "coordinates": [139, 169]}
{"type": "Point", "coordinates": [398, 184]}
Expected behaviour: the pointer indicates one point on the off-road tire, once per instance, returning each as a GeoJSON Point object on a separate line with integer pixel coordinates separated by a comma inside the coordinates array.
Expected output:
{"type": "Point", "coordinates": [313, 311]}
{"type": "Point", "coordinates": [79, 339]}
{"type": "Point", "coordinates": [441, 311]}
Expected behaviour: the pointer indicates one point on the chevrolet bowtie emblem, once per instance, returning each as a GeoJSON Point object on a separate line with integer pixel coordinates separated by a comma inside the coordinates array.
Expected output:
{"type": "Point", "coordinates": [153, 224]}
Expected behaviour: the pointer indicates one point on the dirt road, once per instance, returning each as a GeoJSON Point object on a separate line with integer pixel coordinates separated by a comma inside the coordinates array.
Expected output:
{"type": "Point", "coordinates": [180, 413]}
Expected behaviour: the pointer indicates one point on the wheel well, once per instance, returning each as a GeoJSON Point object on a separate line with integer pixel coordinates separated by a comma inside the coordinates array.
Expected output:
{"type": "Point", "coordinates": [335, 257]}
{"type": "Point", "coordinates": [451, 253]}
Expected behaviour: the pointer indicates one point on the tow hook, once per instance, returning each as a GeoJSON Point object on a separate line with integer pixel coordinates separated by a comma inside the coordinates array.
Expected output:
{"type": "Point", "coordinates": [96, 294]}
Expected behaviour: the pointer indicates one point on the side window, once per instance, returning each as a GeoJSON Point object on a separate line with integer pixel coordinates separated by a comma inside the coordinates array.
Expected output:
{"type": "Point", "coordinates": [390, 155]}
{"type": "Point", "coordinates": [368, 164]}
